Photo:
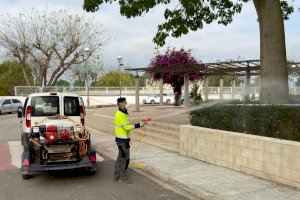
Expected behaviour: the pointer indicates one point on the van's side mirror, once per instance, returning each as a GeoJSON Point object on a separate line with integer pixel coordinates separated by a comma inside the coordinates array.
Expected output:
{"type": "Point", "coordinates": [19, 113]}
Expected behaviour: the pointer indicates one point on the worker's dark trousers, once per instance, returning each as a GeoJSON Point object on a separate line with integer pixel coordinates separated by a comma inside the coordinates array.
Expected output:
{"type": "Point", "coordinates": [122, 161]}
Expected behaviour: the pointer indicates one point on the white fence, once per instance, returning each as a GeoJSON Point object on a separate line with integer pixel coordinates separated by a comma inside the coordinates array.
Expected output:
{"type": "Point", "coordinates": [229, 90]}
{"type": "Point", "coordinates": [93, 91]}
{"type": "Point", "coordinates": [239, 92]}
{"type": "Point", "coordinates": [213, 92]}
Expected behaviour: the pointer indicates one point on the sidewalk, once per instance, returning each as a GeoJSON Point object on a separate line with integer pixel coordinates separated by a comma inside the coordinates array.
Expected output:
{"type": "Point", "coordinates": [202, 179]}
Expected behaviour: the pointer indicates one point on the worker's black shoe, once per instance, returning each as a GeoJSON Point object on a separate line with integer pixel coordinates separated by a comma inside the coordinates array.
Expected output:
{"type": "Point", "coordinates": [116, 179]}
{"type": "Point", "coordinates": [125, 180]}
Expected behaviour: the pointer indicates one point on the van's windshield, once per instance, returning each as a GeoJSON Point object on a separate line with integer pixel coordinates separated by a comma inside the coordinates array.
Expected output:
{"type": "Point", "coordinates": [45, 106]}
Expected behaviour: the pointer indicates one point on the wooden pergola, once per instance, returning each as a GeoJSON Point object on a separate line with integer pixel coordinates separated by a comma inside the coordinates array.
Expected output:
{"type": "Point", "coordinates": [245, 68]}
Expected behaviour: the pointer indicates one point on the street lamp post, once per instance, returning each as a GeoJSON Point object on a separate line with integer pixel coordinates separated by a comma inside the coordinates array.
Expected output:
{"type": "Point", "coordinates": [86, 53]}
{"type": "Point", "coordinates": [119, 59]}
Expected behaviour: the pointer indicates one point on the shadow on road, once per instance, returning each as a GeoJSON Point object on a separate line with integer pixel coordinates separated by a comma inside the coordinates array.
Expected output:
{"type": "Point", "coordinates": [75, 184]}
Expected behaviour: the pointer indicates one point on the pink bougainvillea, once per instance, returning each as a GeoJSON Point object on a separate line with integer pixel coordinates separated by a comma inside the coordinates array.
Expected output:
{"type": "Point", "coordinates": [172, 59]}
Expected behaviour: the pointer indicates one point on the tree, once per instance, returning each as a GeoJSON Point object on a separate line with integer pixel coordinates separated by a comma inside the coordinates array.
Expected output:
{"type": "Point", "coordinates": [62, 83]}
{"type": "Point", "coordinates": [78, 83]}
{"type": "Point", "coordinates": [214, 81]}
{"type": "Point", "coordinates": [90, 69]}
{"type": "Point", "coordinates": [11, 75]}
{"type": "Point", "coordinates": [142, 80]}
{"type": "Point", "coordinates": [112, 78]}
{"type": "Point", "coordinates": [172, 59]}
{"type": "Point", "coordinates": [196, 94]}
{"type": "Point", "coordinates": [191, 15]}
{"type": "Point", "coordinates": [50, 42]}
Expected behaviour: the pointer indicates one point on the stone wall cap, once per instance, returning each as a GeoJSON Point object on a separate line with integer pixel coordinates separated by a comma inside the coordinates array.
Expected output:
{"type": "Point", "coordinates": [245, 135]}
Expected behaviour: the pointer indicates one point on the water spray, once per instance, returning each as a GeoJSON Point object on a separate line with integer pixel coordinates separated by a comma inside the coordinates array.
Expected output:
{"type": "Point", "coordinates": [188, 110]}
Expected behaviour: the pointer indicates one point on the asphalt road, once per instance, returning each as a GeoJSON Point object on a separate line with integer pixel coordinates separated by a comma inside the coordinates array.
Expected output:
{"type": "Point", "coordinates": [72, 185]}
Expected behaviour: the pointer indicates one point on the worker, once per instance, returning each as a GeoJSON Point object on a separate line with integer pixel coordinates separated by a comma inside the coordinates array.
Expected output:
{"type": "Point", "coordinates": [122, 132]}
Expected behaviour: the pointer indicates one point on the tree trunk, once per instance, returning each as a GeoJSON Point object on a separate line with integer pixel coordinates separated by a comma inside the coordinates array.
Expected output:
{"type": "Point", "coordinates": [45, 79]}
{"type": "Point", "coordinates": [25, 75]}
{"type": "Point", "coordinates": [177, 94]}
{"type": "Point", "coordinates": [274, 74]}
{"type": "Point", "coordinates": [56, 77]}
{"type": "Point", "coordinates": [40, 78]}
{"type": "Point", "coordinates": [177, 99]}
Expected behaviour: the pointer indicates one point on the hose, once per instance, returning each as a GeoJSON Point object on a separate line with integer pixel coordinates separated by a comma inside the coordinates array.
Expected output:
{"type": "Point", "coordinates": [82, 141]}
{"type": "Point", "coordinates": [139, 140]}
{"type": "Point", "coordinates": [36, 143]}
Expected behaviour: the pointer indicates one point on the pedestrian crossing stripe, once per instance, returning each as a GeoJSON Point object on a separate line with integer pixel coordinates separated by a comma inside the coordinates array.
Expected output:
{"type": "Point", "coordinates": [16, 150]}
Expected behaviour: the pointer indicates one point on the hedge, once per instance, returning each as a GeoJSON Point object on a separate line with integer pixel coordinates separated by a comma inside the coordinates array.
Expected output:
{"type": "Point", "coordinates": [266, 120]}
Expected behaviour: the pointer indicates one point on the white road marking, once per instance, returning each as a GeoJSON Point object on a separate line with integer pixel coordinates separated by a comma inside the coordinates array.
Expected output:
{"type": "Point", "coordinates": [103, 116]}
{"type": "Point", "coordinates": [16, 150]}
{"type": "Point", "coordinates": [99, 158]}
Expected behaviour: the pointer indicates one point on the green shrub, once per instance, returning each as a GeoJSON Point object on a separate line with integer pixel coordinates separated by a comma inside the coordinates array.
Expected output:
{"type": "Point", "coordinates": [272, 121]}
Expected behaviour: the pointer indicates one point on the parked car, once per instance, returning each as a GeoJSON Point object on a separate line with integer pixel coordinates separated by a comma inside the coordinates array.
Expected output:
{"type": "Point", "coordinates": [9, 105]}
{"type": "Point", "coordinates": [53, 134]}
{"type": "Point", "coordinates": [156, 99]}
{"type": "Point", "coordinates": [182, 98]}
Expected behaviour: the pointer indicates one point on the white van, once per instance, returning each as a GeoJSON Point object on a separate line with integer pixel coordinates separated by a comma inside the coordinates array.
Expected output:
{"type": "Point", "coordinates": [53, 134]}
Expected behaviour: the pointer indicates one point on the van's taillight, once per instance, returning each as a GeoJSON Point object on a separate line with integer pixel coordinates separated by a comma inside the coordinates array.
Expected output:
{"type": "Point", "coordinates": [28, 116]}
{"type": "Point", "coordinates": [81, 115]}
{"type": "Point", "coordinates": [93, 158]}
{"type": "Point", "coordinates": [25, 163]}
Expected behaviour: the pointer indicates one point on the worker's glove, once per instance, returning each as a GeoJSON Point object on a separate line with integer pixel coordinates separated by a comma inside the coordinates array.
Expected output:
{"type": "Point", "coordinates": [142, 123]}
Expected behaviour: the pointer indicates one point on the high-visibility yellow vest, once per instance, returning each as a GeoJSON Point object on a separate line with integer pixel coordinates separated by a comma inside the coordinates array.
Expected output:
{"type": "Point", "coordinates": [122, 126]}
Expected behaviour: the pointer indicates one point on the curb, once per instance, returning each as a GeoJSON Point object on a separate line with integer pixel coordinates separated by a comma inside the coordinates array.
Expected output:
{"type": "Point", "coordinates": [106, 156]}
{"type": "Point", "coordinates": [136, 165]}
{"type": "Point", "coordinates": [197, 191]}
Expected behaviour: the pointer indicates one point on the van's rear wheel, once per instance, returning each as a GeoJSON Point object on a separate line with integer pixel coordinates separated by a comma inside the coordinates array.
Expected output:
{"type": "Point", "coordinates": [26, 176]}
{"type": "Point", "coordinates": [91, 173]}
{"type": "Point", "coordinates": [92, 170]}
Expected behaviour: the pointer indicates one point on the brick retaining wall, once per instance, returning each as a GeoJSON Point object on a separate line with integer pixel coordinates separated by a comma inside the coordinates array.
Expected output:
{"type": "Point", "coordinates": [102, 123]}
{"type": "Point", "coordinates": [272, 159]}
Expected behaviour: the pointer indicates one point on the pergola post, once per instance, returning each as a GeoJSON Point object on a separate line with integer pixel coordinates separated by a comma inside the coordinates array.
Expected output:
{"type": "Point", "coordinates": [242, 87]}
{"type": "Point", "coordinates": [15, 90]}
{"type": "Point", "coordinates": [233, 89]}
{"type": "Point", "coordinates": [259, 83]}
{"type": "Point", "coordinates": [221, 88]}
{"type": "Point", "coordinates": [161, 91]}
{"type": "Point", "coordinates": [206, 81]}
{"type": "Point", "coordinates": [137, 93]}
{"type": "Point", "coordinates": [247, 83]}
{"type": "Point", "coordinates": [186, 89]}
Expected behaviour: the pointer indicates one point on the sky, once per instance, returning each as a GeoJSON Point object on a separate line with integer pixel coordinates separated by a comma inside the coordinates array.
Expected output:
{"type": "Point", "coordinates": [132, 38]}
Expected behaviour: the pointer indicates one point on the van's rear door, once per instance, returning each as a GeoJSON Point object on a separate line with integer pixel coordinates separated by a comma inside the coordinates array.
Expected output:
{"type": "Point", "coordinates": [43, 107]}
{"type": "Point", "coordinates": [71, 107]}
